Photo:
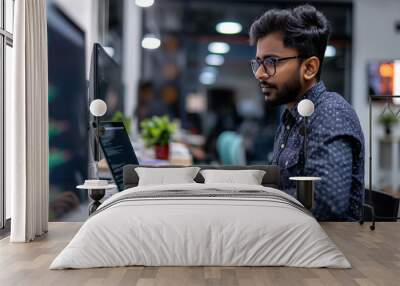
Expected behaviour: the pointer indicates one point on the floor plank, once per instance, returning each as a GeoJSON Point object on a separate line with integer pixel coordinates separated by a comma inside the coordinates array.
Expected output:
{"type": "Point", "coordinates": [374, 255]}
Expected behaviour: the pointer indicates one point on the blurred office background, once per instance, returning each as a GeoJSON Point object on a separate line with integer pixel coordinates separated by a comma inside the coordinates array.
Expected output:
{"type": "Point", "coordinates": [201, 77]}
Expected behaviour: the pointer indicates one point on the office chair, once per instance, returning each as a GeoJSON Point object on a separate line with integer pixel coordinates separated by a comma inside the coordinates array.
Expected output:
{"type": "Point", "coordinates": [380, 206]}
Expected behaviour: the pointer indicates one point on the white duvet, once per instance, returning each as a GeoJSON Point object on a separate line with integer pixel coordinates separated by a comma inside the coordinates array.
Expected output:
{"type": "Point", "coordinates": [188, 231]}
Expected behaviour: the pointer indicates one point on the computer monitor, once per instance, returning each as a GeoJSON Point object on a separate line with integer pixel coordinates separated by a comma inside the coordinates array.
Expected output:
{"type": "Point", "coordinates": [117, 149]}
{"type": "Point", "coordinates": [384, 77]}
{"type": "Point", "coordinates": [106, 84]}
{"type": "Point", "coordinates": [106, 81]}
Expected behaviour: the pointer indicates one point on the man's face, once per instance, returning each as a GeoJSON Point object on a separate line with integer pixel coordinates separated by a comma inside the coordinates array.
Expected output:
{"type": "Point", "coordinates": [284, 86]}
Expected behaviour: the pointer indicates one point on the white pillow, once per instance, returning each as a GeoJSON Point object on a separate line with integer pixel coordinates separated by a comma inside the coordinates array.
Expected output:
{"type": "Point", "coordinates": [163, 176]}
{"type": "Point", "coordinates": [248, 177]}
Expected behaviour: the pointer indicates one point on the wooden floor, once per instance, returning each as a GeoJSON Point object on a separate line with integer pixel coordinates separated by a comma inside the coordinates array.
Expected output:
{"type": "Point", "coordinates": [375, 257]}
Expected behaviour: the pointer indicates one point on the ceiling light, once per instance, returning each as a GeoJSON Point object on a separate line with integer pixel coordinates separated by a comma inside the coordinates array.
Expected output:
{"type": "Point", "coordinates": [144, 3]}
{"type": "Point", "coordinates": [151, 42]}
{"type": "Point", "coordinates": [207, 78]}
{"type": "Point", "coordinates": [228, 28]}
{"type": "Point", "coordinates": [330, 51]}
{"type": "Point", "coordinates": [218, 48]}
{"type": "Point", "coordinates": [214, 60]}
{"type": "Point", "coordinates": [213, 70]}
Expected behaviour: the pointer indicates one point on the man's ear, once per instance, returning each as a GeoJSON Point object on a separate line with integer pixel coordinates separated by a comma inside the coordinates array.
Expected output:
{"type": "Point", "coordinates": [310, 68]}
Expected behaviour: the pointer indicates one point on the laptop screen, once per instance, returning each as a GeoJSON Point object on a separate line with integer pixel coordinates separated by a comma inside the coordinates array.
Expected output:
{"type": "Point", "coordinates": [117, 150]}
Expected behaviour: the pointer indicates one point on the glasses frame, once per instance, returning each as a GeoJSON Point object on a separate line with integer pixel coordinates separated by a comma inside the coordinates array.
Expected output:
{"type": "Point", "coordinates": [256, 63]}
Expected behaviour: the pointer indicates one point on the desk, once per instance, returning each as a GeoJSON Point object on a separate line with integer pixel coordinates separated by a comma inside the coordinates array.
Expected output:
{"type": "Point", "coordinates": [179, 155]}
{"type": "Point", "coordinates": [374, 255]}
{"type": "Point", "coordinates": [392, 193]}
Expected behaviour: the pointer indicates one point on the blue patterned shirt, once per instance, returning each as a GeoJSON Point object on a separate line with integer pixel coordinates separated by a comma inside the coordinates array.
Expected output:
{"type": "Point", "coordinates": [335, 153]}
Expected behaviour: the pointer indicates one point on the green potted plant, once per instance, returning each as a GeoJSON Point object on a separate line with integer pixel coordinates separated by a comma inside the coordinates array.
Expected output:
{"type": "Point", "coordinates": [157, 131]}
{"type": "Point", "coordinates": [388, 120]}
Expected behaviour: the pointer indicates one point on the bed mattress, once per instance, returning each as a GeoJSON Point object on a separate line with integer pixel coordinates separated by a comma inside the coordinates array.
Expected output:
{"type": "Point", "coordinates": [201, 225]}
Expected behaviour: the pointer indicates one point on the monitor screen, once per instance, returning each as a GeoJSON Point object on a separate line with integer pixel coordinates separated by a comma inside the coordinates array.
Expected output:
{"type": "Point", "coordinates": [384, 77]}
{"type": "Point", "coordinates": [105, 84]}
{"type": "Point", "coordinates": [106, 81]}
{"type": "Point", "coordinates": [117, 149]}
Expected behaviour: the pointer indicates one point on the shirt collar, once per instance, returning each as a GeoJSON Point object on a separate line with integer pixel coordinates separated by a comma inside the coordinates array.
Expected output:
{"type": "Point", "coordinates": [311, 94]}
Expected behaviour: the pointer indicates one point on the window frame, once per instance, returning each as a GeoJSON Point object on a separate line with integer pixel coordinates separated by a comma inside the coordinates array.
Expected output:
{"type": "Point", "coordinates": [6, 39]}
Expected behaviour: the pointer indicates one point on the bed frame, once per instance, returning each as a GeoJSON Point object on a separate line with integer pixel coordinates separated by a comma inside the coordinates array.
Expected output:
{"type": "Point", "coordinates": [270, 179]}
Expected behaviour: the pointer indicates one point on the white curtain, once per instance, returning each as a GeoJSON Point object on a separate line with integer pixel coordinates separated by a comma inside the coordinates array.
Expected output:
{"type": "Point", "coordinates": [27, 124]}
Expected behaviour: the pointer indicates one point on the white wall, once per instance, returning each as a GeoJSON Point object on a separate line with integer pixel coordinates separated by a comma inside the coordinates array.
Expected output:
{"type": "Point", "coordinates": [132, 51]}
{"type": "Point", "coordinates": [374, 37]}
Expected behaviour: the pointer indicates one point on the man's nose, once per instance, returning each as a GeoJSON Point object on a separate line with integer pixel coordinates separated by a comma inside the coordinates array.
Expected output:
{"type": "Point", "coordinates": [260, 73]}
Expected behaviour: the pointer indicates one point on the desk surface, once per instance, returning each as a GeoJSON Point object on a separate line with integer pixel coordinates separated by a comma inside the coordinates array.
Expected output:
{"type": "Point", "coordinates": [392, 193]}
{"type": "Point", "coordinates": [374, 255]}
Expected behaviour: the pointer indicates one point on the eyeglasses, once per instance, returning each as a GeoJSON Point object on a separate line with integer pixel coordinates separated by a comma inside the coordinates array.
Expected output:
{"type": "Point", "coordinates": [269, 64]}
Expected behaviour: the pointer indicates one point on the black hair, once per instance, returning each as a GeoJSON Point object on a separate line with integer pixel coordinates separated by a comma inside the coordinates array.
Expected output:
{"type": "Point", "coordinates": [304, 28]}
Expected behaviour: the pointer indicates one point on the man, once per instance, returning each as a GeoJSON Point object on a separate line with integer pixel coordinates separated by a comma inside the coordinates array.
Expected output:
{"type": "Point", "coordinates": [290, 49]}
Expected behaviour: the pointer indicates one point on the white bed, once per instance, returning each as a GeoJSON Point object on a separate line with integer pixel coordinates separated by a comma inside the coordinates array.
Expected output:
{"type": "Point", "coordinates": [225, 225]}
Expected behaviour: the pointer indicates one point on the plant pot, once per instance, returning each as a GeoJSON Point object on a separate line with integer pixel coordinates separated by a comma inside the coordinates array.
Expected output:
{"type": "Point", "coordinates": [388, 130]}
{"type": "Point", "coordinates": [162, 151]}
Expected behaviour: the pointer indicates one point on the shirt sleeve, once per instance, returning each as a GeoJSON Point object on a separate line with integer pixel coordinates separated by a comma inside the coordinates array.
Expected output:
{"type": "Point", "coordinates": [332, 146]}
{"type": "Point", "coordinates": [332, 161]}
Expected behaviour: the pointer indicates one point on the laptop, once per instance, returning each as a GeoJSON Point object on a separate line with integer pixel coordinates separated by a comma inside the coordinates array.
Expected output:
{"type": "Point", "coordinates": [117, 150]}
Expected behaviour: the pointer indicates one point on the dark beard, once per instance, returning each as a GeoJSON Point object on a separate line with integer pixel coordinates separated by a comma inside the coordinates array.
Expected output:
{"type": "Point", "coordinates": [290, 92]}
